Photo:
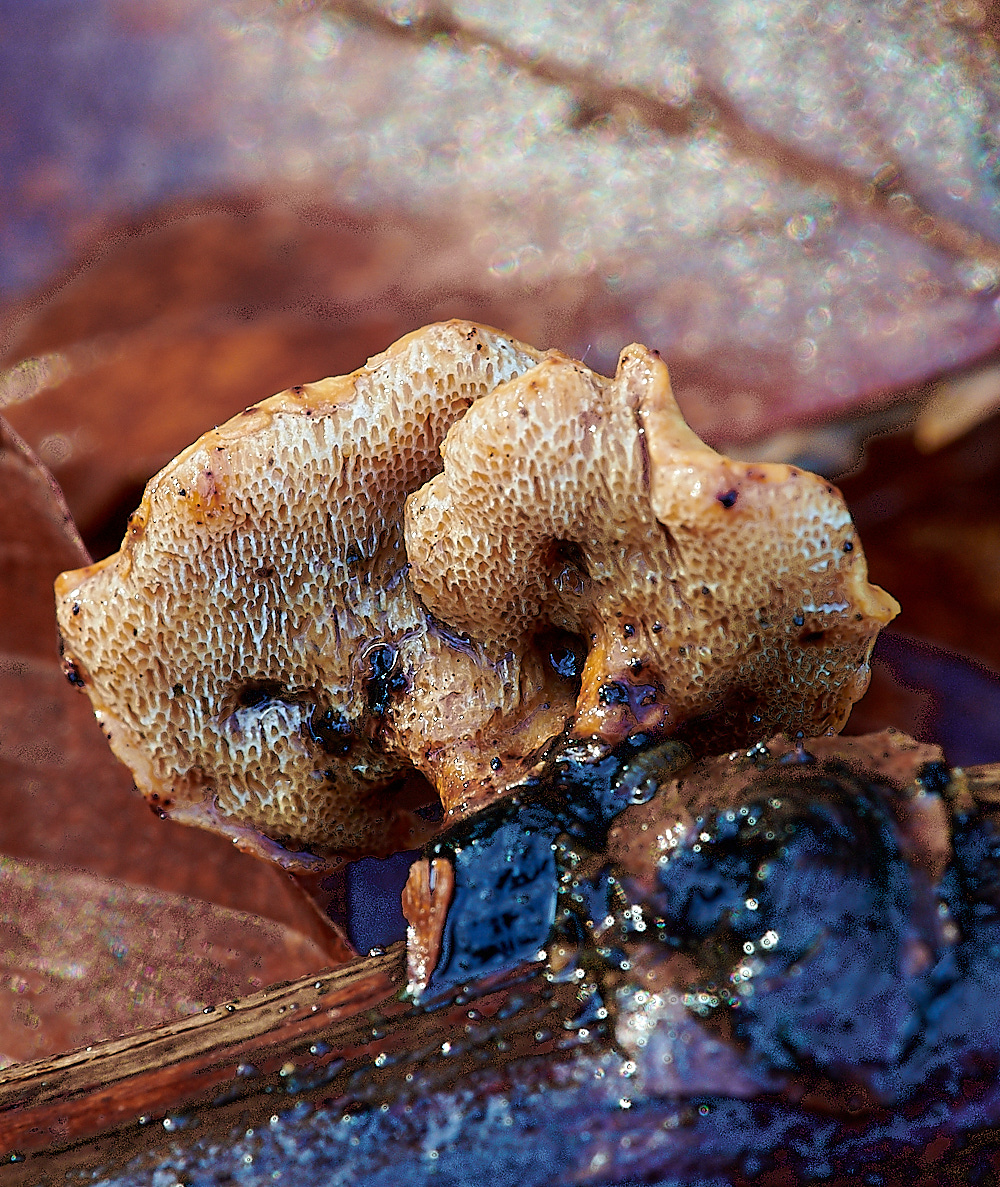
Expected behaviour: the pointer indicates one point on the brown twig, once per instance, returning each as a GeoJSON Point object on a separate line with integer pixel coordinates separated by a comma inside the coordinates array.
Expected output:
{"type": "Point", "coordinates": [338, 1042]}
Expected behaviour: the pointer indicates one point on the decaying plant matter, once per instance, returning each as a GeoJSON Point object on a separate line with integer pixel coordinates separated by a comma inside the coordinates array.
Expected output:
{"type": "Point", "coordinates": [421, 572]}
{"type": "Point", "coordinates": [771, 967]}
{"type": "Point", "coordinates": [481, 570]}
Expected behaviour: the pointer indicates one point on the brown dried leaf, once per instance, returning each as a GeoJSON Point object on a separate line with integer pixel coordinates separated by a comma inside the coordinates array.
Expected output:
{"type": "Point", "coordinates": [85, 959]}
{"type": "Point", "coordinates": [37, 540]}
{"type": "Point", "coordinates": [932, 535]}
{"type": "Point", "coordinates": [63, 798]}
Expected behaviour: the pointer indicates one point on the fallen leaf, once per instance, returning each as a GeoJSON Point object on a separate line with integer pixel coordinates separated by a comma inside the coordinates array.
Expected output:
{"type": "Point", "coordinates": [957, 405]}
{"type": "Point", "coordinates": [931, 532]}
{"type": "Point", "coordinates": [64, 800]}
{"type": "Point", "coordinates": [935, 695]}
{"type": "Point", "coordinates": [795, 204]}
{"type": "Point", "coordinates": [84, 959]}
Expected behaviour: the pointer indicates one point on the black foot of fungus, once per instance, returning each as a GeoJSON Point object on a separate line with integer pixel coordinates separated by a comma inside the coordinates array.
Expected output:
{"type": "Point", "coordinates": [507, 860]}
{"type": "Point", "coordinates": [758, 921]}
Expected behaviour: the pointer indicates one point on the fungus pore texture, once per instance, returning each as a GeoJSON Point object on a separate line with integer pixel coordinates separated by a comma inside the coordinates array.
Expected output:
{"type": "Point", "coordinates": [408, 580]}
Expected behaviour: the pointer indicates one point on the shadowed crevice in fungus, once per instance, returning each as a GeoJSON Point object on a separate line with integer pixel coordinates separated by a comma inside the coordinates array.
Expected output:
{"type": "Point", "coordinates": [429, 569]}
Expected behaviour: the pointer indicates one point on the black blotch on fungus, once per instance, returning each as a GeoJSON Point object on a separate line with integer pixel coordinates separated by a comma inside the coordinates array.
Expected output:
{"type": "Point", "coordinates": [258, 692]}
{"type": "Point", "coordinates": [613, 693]}
{"type": "Point", "coordinates": [72, 674]}
{"type": "Point", "coordinates": [934, 777]}
{"type": "Point", "coordinates": [567, 565]}
{"type": "Point", "coordinates": [383, 679]}
{"type": "Point", "coordinates": [565, 653]}
{"type": "Point", "coordinates": [331, 731]}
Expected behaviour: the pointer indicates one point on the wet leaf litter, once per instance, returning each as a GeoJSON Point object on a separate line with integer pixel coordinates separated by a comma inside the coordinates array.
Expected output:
{"type": "Point", "coordinates": [694, 964]}
{"type": "Point", "coordinates": [56, 445]}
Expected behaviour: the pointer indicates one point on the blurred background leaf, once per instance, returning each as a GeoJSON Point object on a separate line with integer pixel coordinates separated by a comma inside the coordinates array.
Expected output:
{"type": "Point", "coordinates": [84, 958]}
{"type": "Point", "coordinates": [796, 203]}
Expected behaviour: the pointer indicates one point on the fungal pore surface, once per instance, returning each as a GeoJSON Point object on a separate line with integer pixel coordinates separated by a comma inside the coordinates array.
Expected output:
{"type": "Point", "coordinates": [409, 580]}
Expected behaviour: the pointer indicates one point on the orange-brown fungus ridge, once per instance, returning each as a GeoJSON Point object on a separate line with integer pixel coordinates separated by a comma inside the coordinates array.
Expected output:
{"type": "Point", "coordinates": [424, 570]}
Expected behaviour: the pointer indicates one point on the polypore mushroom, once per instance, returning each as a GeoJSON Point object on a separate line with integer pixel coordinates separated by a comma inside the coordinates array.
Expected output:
{"type": "Point", "coordinates": [275, 655]}
{"type": "Point", "coordinates": [713, 596]}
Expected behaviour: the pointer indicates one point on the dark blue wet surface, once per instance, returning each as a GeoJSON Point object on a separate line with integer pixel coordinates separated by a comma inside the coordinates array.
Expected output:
{"type": "Point", "coordinates": [374, 907]}
{"type": "Point", "coordinates": [872, 985]}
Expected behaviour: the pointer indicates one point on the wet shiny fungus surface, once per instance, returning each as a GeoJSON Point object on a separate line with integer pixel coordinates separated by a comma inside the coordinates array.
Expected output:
{"type": "Point", "coordinates": [795, 912]}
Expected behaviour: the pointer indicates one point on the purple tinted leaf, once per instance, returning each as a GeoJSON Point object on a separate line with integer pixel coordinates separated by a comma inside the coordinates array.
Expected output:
{"type": "Point", "coordinates": [797, 204]}
{"type": "Point", "coordinates": [935, 695]}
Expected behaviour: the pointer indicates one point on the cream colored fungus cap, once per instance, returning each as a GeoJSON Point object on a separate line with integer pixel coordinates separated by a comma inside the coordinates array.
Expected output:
{"type": "Point", "coordinates": [419, 573]}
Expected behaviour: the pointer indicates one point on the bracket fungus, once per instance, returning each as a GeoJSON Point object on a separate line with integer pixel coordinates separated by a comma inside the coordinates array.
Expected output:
{"type": "Point", "coordinates": [416, 576]}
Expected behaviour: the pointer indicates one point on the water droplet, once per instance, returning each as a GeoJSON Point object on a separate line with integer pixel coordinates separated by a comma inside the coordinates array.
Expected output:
{"type": "Point", "coordinates": [800, 227]}
{"type": "Point", "coordinates": [959, 188]}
